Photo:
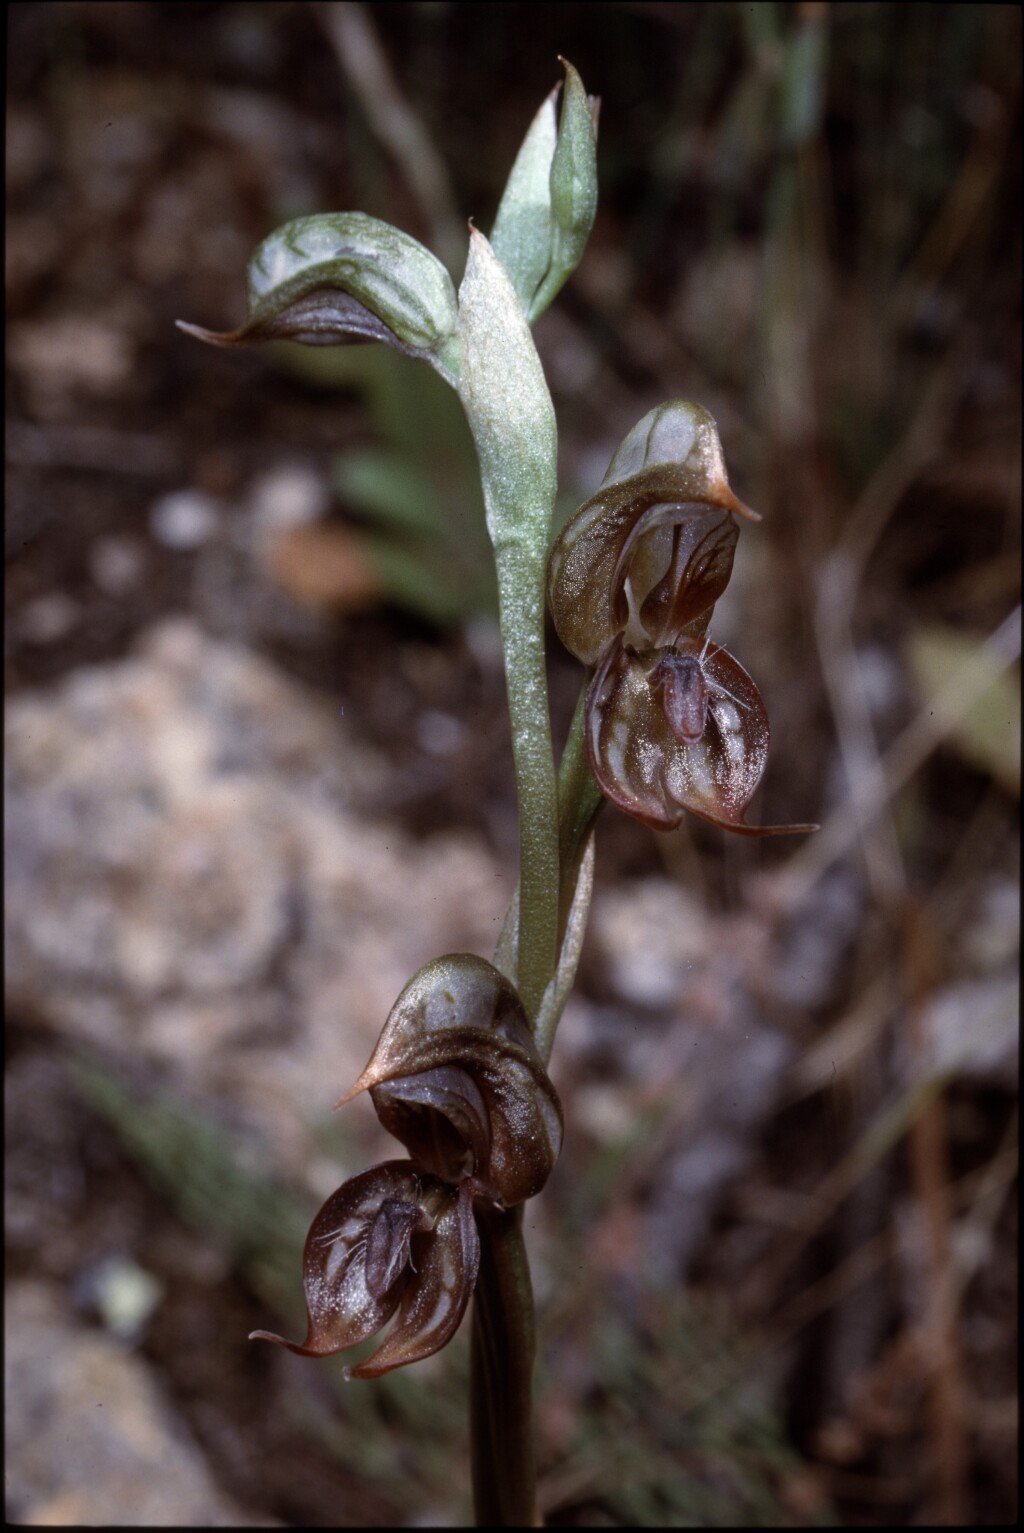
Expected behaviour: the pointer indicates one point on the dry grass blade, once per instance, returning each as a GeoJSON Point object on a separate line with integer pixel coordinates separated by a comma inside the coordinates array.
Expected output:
{"type": "Point", "coordinates": [354, 40]}
{"type": "Point", "coordinates": [908, 752]}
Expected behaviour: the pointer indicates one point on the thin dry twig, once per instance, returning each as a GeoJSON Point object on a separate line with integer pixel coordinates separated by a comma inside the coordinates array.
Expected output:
{"type": "Point", "coordinates": [838, 582]}
{"type": "Point", "coordinates": [990, 1187]}
{"type": "Point", "coordinates": [927, 1146]}
{"type": "Point", "coordinates": [904, 757]}
{"type": "Point", "coordinates": [971, 195]}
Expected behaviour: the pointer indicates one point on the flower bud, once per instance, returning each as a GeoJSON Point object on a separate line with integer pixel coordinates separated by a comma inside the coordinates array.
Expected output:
{"type": "Point", "coordinates": [573, 185]}
{"type": "Point", "coordinates": [521, 237]}
{"type": "Point", "coordinates": [548, 206]}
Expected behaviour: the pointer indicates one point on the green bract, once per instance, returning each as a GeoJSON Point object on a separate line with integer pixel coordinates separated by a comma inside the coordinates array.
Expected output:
{"type": "Point", "coordinates": [509, 409]}
{"type": "Point", "coordinates": [548, 206]}
{"type": "Point", "coordinates": [505, 396]}
{"type": "Point", "coordinates": [337, 277]}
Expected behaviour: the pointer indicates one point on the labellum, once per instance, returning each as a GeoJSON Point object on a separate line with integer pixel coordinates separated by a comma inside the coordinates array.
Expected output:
{"type": "Point", "coordinates": [672, 734]}
{"type": "Point", "coordinates": [391, 1240]}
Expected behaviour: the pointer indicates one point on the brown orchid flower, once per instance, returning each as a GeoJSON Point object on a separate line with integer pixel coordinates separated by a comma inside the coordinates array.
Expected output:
{"type": "Point", "coordinates": [455, 1077]}
{"type": "Point", "coordinates": [673, 722]}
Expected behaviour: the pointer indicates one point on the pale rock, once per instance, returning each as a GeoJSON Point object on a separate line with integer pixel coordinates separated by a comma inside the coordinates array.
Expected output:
{"type": "Point", "coordinates": [90, 1440]}
{"type": "Point", "coordinates": [650, 932]}
{"type": "Point", "coordinates": [189, 880]}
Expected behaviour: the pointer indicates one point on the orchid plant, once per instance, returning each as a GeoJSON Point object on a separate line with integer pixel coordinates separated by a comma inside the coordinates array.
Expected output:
{"type": "Point", "coordinates": [667, 723]}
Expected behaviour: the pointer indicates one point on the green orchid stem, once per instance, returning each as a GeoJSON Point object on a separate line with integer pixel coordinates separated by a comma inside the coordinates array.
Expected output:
{"type": "Point", "coordinates": [521, 597]}
{"type": "Point", "coordinates": [579, 799]}
{"type": "Point", "coordinates": [501, 1368]}
{"type": "Point", "coordinates": [502, 1348]}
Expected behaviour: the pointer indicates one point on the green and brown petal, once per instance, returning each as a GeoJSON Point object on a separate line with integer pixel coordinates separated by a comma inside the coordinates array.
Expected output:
{"type": "Point", "coordinates": [652, 550]}
{"type": "Point", "coordinates": [457, 1079]}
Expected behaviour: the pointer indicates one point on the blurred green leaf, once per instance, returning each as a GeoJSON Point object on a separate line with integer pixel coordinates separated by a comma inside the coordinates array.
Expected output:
{"type": "Point", "coordinates": [190, 1163]}
{"type": "Point", "coordinates": [988, 733]}
{"type": "Point", "coordinates": [387, 488]}
{"type": "Point", "coordinates": [803, 79]}
{"type": "Point", "coordinates": [417, 485]}
{"type": "Point", "coordinates": [681, 1428]}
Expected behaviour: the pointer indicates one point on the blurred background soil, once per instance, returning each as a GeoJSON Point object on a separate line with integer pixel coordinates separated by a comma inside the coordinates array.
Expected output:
{"type": "Point", "coordinates": [258, 766]}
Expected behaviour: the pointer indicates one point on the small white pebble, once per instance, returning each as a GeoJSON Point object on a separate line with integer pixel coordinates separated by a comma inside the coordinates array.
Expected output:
{"type": "Point", "coordinates": [184, 519]}
{"type": "Point", "coordinates": [289, 495]}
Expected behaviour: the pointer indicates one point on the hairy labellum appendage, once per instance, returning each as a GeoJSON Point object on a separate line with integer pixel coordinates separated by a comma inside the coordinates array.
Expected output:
{"type": "Point", "coordinates": [388, 1243]}
{"type": "Point", "coordinates": [456, 1078]}
{"type": "Point", "coordinates": [684, 695]}
{"type": "Point", "coordinates": [392, 1240]}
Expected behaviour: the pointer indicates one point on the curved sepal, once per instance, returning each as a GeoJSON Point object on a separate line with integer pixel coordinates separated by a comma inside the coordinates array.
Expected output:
{"type": "Point", "coordinates": [391, 1239]}
{"type": "Point", "coordinates": [652, 550]}
{"type": "Point", "coordinates": [337, 277]}
{"type": "Point", "coordinates": [684, 731]}
{"type": "Point", "coordinates": [440, 1116]}
{"type": "Point", "coordinates": [456, 1078]}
